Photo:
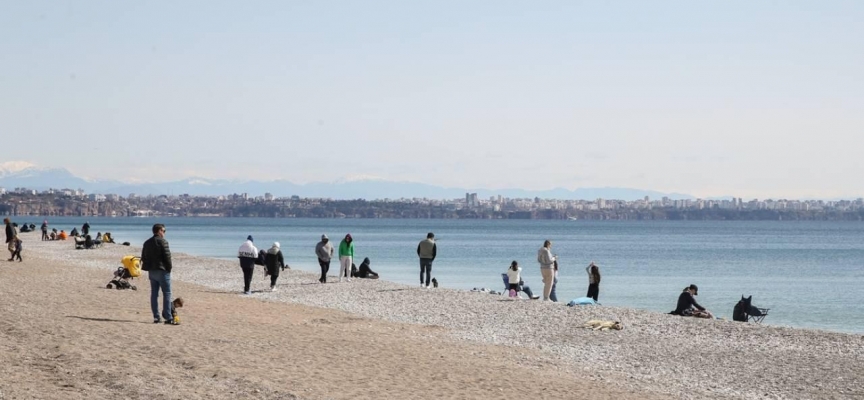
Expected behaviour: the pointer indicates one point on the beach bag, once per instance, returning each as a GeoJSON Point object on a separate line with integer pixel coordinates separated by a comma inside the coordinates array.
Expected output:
{"type": "Point", "coordinates": [582, 301]}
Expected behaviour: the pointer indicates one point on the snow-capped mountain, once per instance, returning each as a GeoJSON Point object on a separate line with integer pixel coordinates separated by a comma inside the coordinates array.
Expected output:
{"type": "Point", "coordinates": [25, 175]}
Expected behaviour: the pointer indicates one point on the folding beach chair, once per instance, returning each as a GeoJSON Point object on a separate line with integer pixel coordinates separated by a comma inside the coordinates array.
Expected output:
{"type": "Point", "coordinates": [744, 311]}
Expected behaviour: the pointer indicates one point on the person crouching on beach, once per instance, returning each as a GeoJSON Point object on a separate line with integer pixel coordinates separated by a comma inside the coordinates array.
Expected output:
{"type": "Point", "coordinates": [247, 254]}
{"type": "Point", "coordinates": [324, 252]}
{"type": "Point", "coordinates": [593, 280]}
{"type": "Point", "coordinates": [274, 262]}
{"type": "Point", "coordinates": [346, 256]}
{"type": "Point", "coordinates": [547, 268]}
{"type": "Point", "coordinates": [687, 305]}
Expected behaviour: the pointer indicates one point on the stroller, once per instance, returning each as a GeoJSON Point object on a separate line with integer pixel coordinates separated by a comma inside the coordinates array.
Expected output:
{"type": "Point", "coordinates": [131, 269]}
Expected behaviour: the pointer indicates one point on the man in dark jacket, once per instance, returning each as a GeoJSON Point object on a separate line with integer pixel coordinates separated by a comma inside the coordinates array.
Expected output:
{"type": "Point", "coordinates": [156, 260]}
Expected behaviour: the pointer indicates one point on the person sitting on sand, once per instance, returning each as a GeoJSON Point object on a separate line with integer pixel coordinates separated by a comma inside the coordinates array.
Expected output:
{"type": "Point", "coordinates": [521, 286]}
{"type": "Point", "coordinates": [62, 235]}
{"type": "Point", "coordinates": [106, 238]}
{"type": "Point", "coordinates": [74, 232]}
{"type": "Point", "coordinates": [364, 271]}
{"type": "Point", "coordinates": [687, 305]}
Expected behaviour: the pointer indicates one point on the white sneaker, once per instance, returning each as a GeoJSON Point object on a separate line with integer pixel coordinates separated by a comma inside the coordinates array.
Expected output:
{"type": "Point", "coordinates": [340, 279]}
{"type": "Point", "coordinates": [349, 279]}
{"type": "Point", "coordinates": [428, 287]}
{"type": "Point", "coordinates": [273, 288]}
{"type": "Point", "coordinates": [247, 293]}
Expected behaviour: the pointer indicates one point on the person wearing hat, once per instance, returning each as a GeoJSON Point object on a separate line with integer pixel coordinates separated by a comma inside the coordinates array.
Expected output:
{"type": "Point", "coordinates": [427, 250]}
{"type": "Point", "coordinates": [247, 254]}
{"type": "Point", "coordinates": [274, 262]}
{"type": "Point", "coordinates": [346, 257]}
{"type": "Point", "coordinates": [324, 252]}
{"type": "Point", "coordinates": [687, 305]}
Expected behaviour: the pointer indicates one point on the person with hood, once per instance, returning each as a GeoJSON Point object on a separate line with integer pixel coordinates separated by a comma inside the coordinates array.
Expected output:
{"type": "Point", "coordinates": [275, 262]}
{"type": "Point", "coordinates": [247, 254]}
{"type": "Point", "coordinates": [74, 232]}
{"type": "Point", "coordinates": [85, 229]}
{"type": "Point", "coordinates": [10, 238]}
{"type": "Point", "coordinates": [365, 272]}
{"type": "Point", "coordinates": [324, 252]}
{"type": "Point", "coordinates": [427, 250]}
{"type": "Point", "coordinates": [346, 256]}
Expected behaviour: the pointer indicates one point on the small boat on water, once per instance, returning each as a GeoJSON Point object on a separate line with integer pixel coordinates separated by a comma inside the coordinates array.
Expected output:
{"type": "Point", "coordinates": [569, 218]}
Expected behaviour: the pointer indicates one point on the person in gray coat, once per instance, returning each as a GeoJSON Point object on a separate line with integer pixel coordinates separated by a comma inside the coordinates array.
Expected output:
{"type": "Point", "coordinates": [324, 252]}
{"type": "Point", "coordinates": [427, 250]}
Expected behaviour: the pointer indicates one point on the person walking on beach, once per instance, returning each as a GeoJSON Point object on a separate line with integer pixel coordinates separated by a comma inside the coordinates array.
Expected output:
{"type": "Point", "coordinates": [45, 230]}
{"type": "Point", "coordinates": [324, 252]}
{"type": "Point", "coordinates": [275, 262]}
{"type": "Point", "coordinates": [547, 268]}
{"type": "Point", "coordinates": [156, 260]}
{"type": "Point", "coordinates": [427, 250]}
{"type": "Point", "coordinates": [346, 256]}
{"type": "Point", "coordinates": [593, 280]}
{"type": "Point", "coordinates": [10, 237]}
{"type": "Point", "coordinates": [19, 245]}
{"type": "Point", "coordinates": [247, 254]}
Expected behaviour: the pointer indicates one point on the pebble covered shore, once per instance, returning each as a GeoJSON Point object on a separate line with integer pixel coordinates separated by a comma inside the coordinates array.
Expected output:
{"type": "Point", "coordinates": [681, 357]}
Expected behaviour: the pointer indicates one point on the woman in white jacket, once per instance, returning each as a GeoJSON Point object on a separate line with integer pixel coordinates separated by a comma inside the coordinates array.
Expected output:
{"type": "Point", "coordinates": [513, 277]}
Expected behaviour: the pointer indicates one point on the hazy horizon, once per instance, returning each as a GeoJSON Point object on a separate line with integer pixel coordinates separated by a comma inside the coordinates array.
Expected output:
{"type": "Point", "coordinates": [756, 100]}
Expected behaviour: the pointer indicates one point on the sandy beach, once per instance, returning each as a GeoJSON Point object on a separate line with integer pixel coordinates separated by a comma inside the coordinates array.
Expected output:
{"type": "Point", "coordinates": [64, 336]}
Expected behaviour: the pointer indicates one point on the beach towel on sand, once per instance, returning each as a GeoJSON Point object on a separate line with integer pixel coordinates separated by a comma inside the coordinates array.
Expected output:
{"type": "Point", "coordinates": [582, 301]}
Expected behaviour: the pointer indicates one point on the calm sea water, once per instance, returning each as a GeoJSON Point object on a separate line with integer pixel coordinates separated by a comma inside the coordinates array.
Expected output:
{"type": "Point", "coordinates": [811, 274]}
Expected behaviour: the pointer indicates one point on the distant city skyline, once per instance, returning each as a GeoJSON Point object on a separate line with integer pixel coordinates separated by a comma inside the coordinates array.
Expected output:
{"type": "Point", "coordinates": [753, 100]}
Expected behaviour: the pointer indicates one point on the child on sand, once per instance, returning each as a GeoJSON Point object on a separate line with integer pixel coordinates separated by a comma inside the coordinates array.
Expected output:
{"type": "Point", "coordinates": [513, 278]}
{"type": "Point", "coordinates": [18, 247]}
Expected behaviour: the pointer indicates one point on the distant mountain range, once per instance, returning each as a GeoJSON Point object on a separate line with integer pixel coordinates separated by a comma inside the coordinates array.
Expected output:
{"type": "Point", "coordinates": [37, 178]}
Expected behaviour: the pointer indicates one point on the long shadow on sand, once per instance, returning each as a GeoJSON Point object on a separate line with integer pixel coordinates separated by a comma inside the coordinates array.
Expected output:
{"type": "Point", "coordinates": [105, 319]}
{"type": "Point", "coordinates": [392, 290]}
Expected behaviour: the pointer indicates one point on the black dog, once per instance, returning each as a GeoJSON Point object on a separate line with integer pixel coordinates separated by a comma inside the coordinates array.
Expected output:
{"type": "Point", "coordinates": [434, 283]}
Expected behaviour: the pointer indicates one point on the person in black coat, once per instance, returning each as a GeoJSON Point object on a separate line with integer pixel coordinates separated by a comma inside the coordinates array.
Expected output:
{"type": "Point", "coordinates": [687, 305]}
{"type": "Point", "coordinates": [10, 236]}
{"type": "Point", "coordinates": [274, 261]}
{"type": "Point", "coordinates": [364, 271]}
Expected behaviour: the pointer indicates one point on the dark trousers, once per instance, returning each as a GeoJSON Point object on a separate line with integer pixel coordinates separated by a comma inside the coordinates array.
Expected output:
{"type": "Point", "coordinates": [247, 276]}
{"type": "Point", "coordinates": [593, 290]}
{"type": "Point", "coordinates": [425, 268]}
{"type": "Point", "coordinates": [325, 266]}
{"type": "Point", "coordinates": [16, 254]}
{"type": "Point", "coordinates": [274, 275]}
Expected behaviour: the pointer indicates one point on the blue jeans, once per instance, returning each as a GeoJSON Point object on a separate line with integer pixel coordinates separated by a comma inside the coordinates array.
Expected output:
{"type": "Point", "coordinates": [552, 295]}
{"type": "Point", "coordinates": [160, 280]}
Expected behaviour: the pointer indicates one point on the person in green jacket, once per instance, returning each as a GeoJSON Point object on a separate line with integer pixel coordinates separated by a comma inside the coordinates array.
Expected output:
{"type": "Point", "coordinates": [346, 257]}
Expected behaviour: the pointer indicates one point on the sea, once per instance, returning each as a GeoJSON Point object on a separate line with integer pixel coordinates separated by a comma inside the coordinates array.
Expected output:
{"type": "Point", "coordinates": [809, 274]}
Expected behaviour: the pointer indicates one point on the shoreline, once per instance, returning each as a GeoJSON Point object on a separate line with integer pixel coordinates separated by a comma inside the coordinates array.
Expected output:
{"type": "Point", "coordinates": [655, 353]}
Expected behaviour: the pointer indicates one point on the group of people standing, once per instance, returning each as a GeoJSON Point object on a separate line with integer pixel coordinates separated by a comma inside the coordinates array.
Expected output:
{"type": "Point", "coordinates": [549, 271]}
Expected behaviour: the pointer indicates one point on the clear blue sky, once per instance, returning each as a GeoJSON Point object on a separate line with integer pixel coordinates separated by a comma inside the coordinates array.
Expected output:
{"type": "Point", "coordinates": [753, 99]}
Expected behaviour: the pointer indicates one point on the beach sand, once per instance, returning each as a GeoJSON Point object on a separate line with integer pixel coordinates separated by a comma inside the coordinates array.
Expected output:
{"type": "Point", "coordinates": [64, 336]}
